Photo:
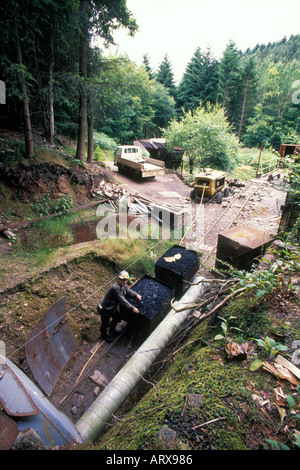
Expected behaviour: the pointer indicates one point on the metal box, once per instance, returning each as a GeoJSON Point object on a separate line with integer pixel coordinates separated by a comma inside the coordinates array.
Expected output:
{"type": "Point", "coordinates": [240, 246]}
{"type": "Point", "coordinates": [177, 266]}
{"type": "Point", "coordinates": [155, 303]}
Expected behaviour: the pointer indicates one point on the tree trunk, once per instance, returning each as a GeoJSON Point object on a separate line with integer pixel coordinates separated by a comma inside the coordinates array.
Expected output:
{"type": "Point", "coordinates": [80, 150]}
{"type": "Point", "coordinates": [90, 155]}
{"type": "Point", "coordinates": [243, 108]}
{"type": "Point", "coordinates": [90, 152]}
{"type": "Point", "coordinates": [83, 58]}
{"type": "Point", "coordinates": [25, 103]}
{"type": "Point", "coordinates": [50, 91]}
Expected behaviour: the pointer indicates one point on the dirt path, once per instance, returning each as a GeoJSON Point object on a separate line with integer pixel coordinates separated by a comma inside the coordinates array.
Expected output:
{"type": "Point", "coordinates": [166, 188]}
{"type": "Point", "coordinates": [257, 203]}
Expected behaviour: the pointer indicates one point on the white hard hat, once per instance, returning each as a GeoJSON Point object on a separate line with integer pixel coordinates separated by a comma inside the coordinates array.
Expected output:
{"type": "Point", "coordinates": [123, 275]}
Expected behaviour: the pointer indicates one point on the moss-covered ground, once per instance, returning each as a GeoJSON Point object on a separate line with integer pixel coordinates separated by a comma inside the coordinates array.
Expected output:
{"type": "Point", "coordinates": [235, 407]}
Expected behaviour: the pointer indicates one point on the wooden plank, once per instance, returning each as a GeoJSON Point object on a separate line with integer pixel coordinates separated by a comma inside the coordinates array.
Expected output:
{"type": "Point", "coordinates": [288, 365]}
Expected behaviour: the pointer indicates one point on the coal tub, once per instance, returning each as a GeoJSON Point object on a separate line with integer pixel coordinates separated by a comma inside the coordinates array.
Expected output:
{"type": "Point", "coordinates": [241, 246]}
{"type": "Point", "coordinates": [177, 266]}
{"type": "Point", "coordinates": [155, 303]}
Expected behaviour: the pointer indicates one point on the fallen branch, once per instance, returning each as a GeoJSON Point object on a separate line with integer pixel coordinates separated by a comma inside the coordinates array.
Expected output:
{"type": "Point", "coordinates": [221, 303]}
{"type": "Point", "coordinates": [149, 383]}
{"type": "Point", "coordinates": [89, 361]}
{"type": "Point", "coordinates": [208, 422]}
{"type": "Point", "coordinates": [195, 306]}
{"type": "Point", "coordinates": [213, 281]}
{"type": "Point", "coordinates": [194, 341]}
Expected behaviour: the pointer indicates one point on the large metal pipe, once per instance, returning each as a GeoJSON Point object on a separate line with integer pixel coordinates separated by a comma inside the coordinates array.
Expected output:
{"type": "Point", "coordinates": [99, 413]}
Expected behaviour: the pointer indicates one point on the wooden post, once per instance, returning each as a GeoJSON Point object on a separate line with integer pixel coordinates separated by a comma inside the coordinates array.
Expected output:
{"type": "Point", "coordinates": [261, 148]}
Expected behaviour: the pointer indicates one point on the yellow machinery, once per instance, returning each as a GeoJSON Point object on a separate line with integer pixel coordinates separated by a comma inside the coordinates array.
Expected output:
{"type": "Point", "coordinates": [208, 184]}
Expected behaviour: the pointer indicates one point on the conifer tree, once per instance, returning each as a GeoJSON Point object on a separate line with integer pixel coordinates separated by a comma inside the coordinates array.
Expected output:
{"type": "Point", "coordinates": [230, 83]}
{"type": "Point", "coordinates": [199, 82]}
{"type": "Point", "coordinates": [165, 76]}
{"type": "Point", "coordinates": [146, 62]}
{"type": "Point", "coordinates": [249, 93]}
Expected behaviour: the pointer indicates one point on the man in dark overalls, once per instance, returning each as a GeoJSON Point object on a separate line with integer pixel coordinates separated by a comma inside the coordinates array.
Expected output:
{"type": "Point", "coordinates": [115, 307]}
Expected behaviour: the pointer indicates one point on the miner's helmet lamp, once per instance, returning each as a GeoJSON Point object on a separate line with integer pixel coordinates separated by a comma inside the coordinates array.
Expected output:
{"type": "Point", "coordinates": [123, 275]}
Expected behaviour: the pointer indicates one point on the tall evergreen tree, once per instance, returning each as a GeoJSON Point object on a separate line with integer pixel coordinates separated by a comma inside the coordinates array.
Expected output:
{"type": "Point", "coordinates": [199, 82]}
{"type": "Point", "coordinates": [230, 83]}
{"type": "Point", "coordinates": [37, 38]}
{"type": "Point", "coordinates": [18, 29]}
{"type": "Point", "coordinates": [249, 94]}
{"type": "Point", "coordinates": [146, 62]}
{"type": "Point", "coordinates": [211, 78]}
{"type": "Point", "coordinates": [164, 107]}
{"type": "Point", "coordinates": [165, 76]}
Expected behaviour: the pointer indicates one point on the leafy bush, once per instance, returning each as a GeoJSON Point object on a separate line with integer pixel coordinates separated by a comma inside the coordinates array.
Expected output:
{"type": "Point", "coordinates": [206, 137]}
{"type": "Point", "coordinates": [101, 155]}
{"type": "Point", "coordinates": [46, 206]}
{"type": "Point", "coordinates": [42, 206]}
{"type": "Point", "coordinates": [64, 203]}
{"type": "Point", "coordinates": [103, 141]}
{"type": "Point", "coordinates": [270, 346]}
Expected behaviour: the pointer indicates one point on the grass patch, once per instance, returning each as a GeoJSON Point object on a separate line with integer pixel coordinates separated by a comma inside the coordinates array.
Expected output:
{"type": "Point", "coordinates": [44, 237]}
{"type": "Point", "coordinates": [138, 256]}
{"type": "Point", "coordinates": [247, 163]}
{"type": "Point", "coordinates": [248, 159]}
{"type": "Point", "coordinates": [40, 242]}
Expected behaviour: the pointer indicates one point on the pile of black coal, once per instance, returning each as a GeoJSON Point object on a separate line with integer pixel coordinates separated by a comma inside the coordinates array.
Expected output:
{"type": "Point", "coordinates": [155, 303]}
{"type": "Point", "coordinates": [176, 266]}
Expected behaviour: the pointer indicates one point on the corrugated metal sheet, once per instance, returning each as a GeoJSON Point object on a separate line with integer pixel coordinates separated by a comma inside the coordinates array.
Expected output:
{"type": "Point", "coordinates": [160, 145]}
{"type": "Point", "coordinates": [146, 144]}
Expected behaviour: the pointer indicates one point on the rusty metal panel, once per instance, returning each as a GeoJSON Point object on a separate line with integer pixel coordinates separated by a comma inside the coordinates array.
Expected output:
{"type": "Point", "coordinates": [50, 346]}
{"type": "Point", "coordinates": [52, 426]}
{"type": "Point", "coordinates": [8, 432]}
{"type": "Point", "coordinates": [13, 396]}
